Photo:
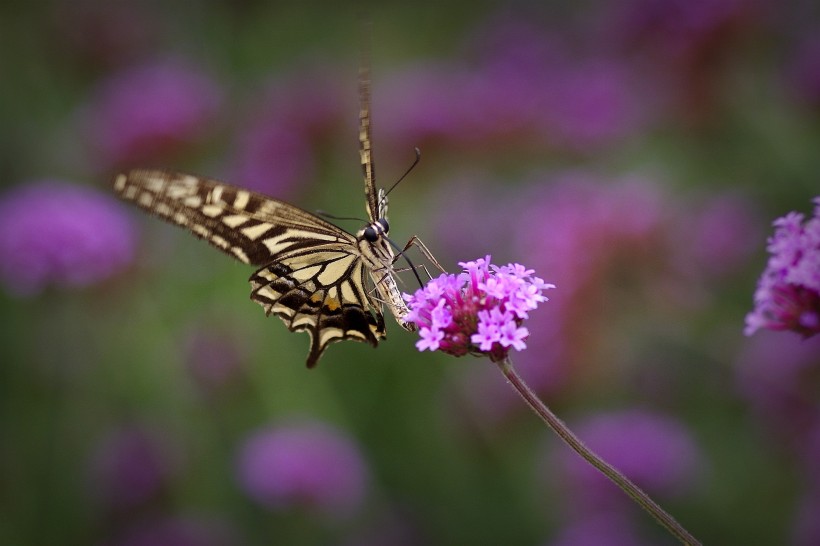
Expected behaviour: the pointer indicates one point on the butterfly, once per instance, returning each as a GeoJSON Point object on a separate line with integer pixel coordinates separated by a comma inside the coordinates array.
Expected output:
{"type": "Point", "coordinates": [312, 274]}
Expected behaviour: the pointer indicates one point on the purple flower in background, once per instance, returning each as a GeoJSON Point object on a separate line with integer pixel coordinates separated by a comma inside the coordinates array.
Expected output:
{"type": "Point", "coordinates": [310, 466]}
{"type": "Point", "coordinates": [129, 467]}
{"type": "Point", "coordinates": [777, 375]}
{"type": "Point", "coordinates": [177, 531]}
{"type": "Point", "coordinates": [55, 233]}
{"type": "Point", "coordinates": [804, 72]}
{"type": "Point", "coordinates": [591, 104]}
{"type": "Point", "coordinates": [213, 358]}
{"type": "Point", "coordinates": [273, 160]}
{"type": "Point", "coordinates": [676, 28]}
{"type": "Point", "coordinates": [274, 148]}
{"type": "Point", "coordinates": [806, 526]}
{"type": "Point", "coordinates": [607, 529]}
{"type": "Point", "coordinates": [717, 238]}
{"type": "Point", "coordinates": [149, 111]}
{"type": "Point", "coordinates": [788, 293]}
{"type": "Point", "coordinates": [479, 311]}
{"type": "Point", "coordinates": [657, 452]}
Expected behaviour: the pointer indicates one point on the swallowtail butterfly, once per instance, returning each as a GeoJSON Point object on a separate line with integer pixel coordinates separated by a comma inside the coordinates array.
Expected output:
{"type": "Point", "coordinates": [312, 274]}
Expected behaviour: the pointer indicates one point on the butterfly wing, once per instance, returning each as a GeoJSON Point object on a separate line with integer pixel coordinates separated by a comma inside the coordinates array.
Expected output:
{"type": "Point", "coordinates": [373, 197]}
{"type": "Point", "coordinates": [312, 274]}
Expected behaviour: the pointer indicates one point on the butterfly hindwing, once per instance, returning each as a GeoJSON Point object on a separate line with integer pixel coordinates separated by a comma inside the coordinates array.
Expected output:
{"type": "Point", "coordinates": [327, 311]}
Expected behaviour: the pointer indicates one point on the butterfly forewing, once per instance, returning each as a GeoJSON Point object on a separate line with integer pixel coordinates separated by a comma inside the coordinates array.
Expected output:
{"type": "Point", "coordinates": [312, 274]}
{"type": "Point", "coordinates": [372, 197]}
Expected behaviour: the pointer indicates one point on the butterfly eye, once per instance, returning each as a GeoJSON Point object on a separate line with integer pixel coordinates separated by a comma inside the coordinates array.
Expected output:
{"type": "Point", "coordinates": [384, 224]}
{"type": "Point", "coordinates": [370, 234]}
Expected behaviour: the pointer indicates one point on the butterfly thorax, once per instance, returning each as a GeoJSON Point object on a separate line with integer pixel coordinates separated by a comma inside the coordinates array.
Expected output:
{"type": "Point", "coordinates": [378, 255]}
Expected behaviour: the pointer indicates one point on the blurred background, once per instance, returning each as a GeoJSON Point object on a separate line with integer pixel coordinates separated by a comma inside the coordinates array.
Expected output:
{"type": "Point", "coordinates": [634, 153]}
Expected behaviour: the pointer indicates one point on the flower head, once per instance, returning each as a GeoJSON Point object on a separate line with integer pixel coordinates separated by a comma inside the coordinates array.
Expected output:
{"type": "Point", "coordinates": [478, 311]}
{"type": "Point", "coordinates": [55, 233]}
{"type": "Point", "coordinates": [305, 465]}
{"type": "Point", "coordinates": [788, 293]}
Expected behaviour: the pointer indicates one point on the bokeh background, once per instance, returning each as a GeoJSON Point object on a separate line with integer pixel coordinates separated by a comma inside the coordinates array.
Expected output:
{"type": "Point", "coordinates": [634, 153]}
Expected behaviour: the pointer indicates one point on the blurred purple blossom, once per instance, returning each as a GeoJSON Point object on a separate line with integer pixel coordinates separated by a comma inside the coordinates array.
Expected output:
{"type": "Point", "coordinates": [478, 311]}
{"type": "Point", "coordinates": [177, 531]}
{"type": "Point", "coordinates": [600, 529]}
{"type": "Point", "coordinates": [524, 90]}
{"type": "Point", "coordinates": [150, 111]}
{"type": "Point", "coordinates": [676, 28]}
{"type": "Point", "coordinates": [309, 465]}
{"type": "Point", "coordinates": [52, 232]}
{"type": "Point", "coordinates": [579, 223]}
{"type": "Point", "coordinates": [680, 46]}
{"type": "Point", "coordinates": [273, 160]}
{"type": "Point", "coordinates": [788, 292]}
{"type": "Point", "coordinates": [806, 525]}
{"type": "Point", "coordinates": [777, 375]}
{"type": "Point", "coordinates": [274, 149]}
{"type": "Point", "coordinates": [804, 70]}
{"type": "Point", "coordinates": [716, 237]}
{"type": "Point", "coordinates": [655, 451]}
{"type": "Point", "coordinates": [130, 466]}
{"type": "Point", "coordinates": [213, 358]}
{"type": "Point", "coordinates": [593, 104]}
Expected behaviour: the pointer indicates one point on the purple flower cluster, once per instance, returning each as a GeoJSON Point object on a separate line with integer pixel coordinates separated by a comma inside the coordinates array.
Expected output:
{"type": "Point", "coordinates": [479, 311]}
{"type": "Point", "coordinates": [55, 233]}
{"type": "Point", "coordinates": [309, 466]}
{"type": "Point", "coordinates": [151, 110]}
{"type": "Point", "coordinates": [788, 293]}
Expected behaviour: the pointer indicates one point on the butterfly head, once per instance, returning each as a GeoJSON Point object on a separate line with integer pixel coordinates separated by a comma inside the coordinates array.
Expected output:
{"type": "Point", "coordinates": [376, 230]}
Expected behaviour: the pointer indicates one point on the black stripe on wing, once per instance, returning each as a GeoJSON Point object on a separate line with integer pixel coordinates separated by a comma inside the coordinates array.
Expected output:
{"type": "Point", "coordinates": [248, 226]}
{"type": "Point", "coordinates": [323, 294]}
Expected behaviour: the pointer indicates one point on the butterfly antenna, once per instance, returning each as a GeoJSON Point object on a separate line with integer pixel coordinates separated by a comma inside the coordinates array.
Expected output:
{"type": "Point", "coordinates": [402, 177]}
{"type": "Point", "coordinates": [325, 214]}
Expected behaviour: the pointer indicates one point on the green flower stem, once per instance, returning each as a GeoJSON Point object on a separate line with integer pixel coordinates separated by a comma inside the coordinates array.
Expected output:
{"type": "Point", "coordinates": [578, 446]}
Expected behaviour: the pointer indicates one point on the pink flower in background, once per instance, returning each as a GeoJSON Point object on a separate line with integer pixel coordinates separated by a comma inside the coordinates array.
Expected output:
{"type": "Point", "coordinates": [147, 112]}
{"type": "Point", "coordinates": [55, 233]}
{"type": "Point", "coordinates": [303, 466]}
{"type": "Point", "coordinates": [788, 293]}
{"type": "Point", "coordinates": [657, 452]}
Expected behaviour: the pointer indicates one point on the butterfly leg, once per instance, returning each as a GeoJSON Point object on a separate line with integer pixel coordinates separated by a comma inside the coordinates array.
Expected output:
{"type": "Point", "coordinates": [415, 241]}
